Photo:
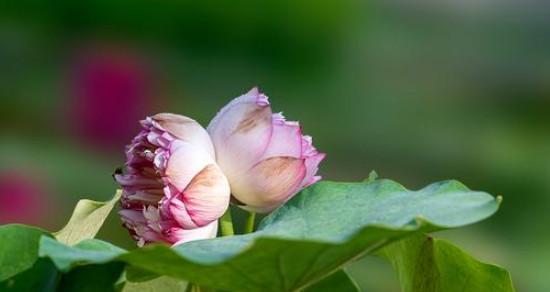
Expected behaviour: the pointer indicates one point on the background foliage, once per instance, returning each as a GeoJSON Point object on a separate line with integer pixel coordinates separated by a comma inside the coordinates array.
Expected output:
{"type": "Point", "coordinates": [420, 91]}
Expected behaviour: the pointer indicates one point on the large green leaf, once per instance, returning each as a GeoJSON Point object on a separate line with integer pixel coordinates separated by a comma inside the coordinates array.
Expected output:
{"type": "Point", "coordinates": [427, 264]}
{"type": "Point", "coordinates": [160, 284]}
{"type": "Point", "coordinates": [18, 249]}
{"type": "Point", "coordinates": [92, 278]}
{"type": "Point", "coordinates": [87, 218]}
{"type": "Point", "coordinates": [339, 281]}
{"type": "Point", "coordinates": [313, 235]}
{"type": "Point", "coordinates": [42, 276]}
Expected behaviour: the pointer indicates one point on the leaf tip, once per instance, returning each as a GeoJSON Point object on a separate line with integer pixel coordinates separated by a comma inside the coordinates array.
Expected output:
{"type": "Point", "coordinates": [373, 175]}
{"type": "Point", "coordinates": [420, 220]}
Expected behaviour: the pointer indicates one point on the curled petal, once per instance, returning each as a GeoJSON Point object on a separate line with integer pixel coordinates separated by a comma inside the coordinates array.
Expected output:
{"type": "Point", "coordinates": [131, 180]}
{"type": "Point", "coordinates": [143, 197]}
{"type": "Point", "coordinates": [312, 166]}
{"type": "Point", "coordinates": [286, 139]}
{"type": "Point", "coordinates": [203, 201]}
{"type": "Point", "coordinates": [184, 129]}
{"type": "Point", "coordinates": [136, 223]}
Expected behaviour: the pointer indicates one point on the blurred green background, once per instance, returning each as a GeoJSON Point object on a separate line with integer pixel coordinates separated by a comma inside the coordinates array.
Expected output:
{"type": "Point", "coordinates": [420, 91]}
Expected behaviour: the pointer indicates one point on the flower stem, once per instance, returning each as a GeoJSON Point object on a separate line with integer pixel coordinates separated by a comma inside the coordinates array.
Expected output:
{"type": "Point", "coordinates": [226, 223]}
{"type": "Point", "coordinates": [250, 222]}
{"type": "Point", "coordinates": [193, 288]}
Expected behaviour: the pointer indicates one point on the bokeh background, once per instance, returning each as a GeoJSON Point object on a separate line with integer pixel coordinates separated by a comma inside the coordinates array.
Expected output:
{"type": "Point", "coordinates": [420, 91]}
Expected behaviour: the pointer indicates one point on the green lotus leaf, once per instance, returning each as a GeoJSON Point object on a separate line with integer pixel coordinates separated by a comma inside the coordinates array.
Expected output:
{"type": "Point", "coordinates": [427, 264]}
{"type": "Point", "coordinates": [309, 238]}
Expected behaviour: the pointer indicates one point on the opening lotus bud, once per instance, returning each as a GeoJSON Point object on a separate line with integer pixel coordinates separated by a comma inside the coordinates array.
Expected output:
{"type": "Point", "coordinates": [266, 159]}
{"type": "Point", "coordinates": [173, 190]}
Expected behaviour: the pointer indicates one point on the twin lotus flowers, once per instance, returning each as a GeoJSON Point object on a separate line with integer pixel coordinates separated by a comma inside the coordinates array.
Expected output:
{"type": "Point", "coordinates": [179, 177]}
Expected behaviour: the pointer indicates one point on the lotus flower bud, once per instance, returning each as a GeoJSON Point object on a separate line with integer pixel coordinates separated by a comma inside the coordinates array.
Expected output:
{"type": "Point", "coordinates": [173, 190]}
{"type": "Point", "coordinates": [265, 158]}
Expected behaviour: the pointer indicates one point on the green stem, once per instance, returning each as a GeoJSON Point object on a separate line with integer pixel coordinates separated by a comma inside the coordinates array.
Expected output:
{"type": "Point", "coordinates": [193, 288]}
{"type": "Point", "coordinates": [226, 223]}
{"type": "Point", "coordinates": [250, 222]}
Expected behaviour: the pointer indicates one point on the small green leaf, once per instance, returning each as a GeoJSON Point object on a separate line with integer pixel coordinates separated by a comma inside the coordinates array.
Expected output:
{"type": "Point", "coordinates": [88, 217]}
{"type": "Point", "coordinates": [426, 264]}
{"type": "Point", "coordinates": [373, 175]}
{"type": "Point", "coordinates": [67, 257]}
{"type": "Point", "coordinates": [339, 281]}
{"type": "Point", "coordinates": [18, 248]}
{"type": "Point", "coordinates": [313, 235]}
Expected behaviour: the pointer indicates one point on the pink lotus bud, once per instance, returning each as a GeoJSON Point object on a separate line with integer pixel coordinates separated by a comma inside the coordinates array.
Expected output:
{"type": "Point", "coordinates": [265, 158]}
{"type": "Point", "coordinates": [173, 190]}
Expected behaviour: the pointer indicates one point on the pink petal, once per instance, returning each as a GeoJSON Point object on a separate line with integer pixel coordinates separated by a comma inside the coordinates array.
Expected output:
{"type": "Point", "coordinates": [241, 132]}
{"type": "Point", "coordinates": [184, 163]}
{"type": "Point", "coordinates": [270, 183]}
{"type": "Point", "coordinates": [286, 139]}
{"type": "Point", "coordinates": [307, 146]}
{"type": "Point", "coordinates": [184, 129]}
{"type": "Point", "coordinates": [182, 236]}
{"type": "Point", "coordinates": [131, 180]}
{"type": "Point", "coordinates": [132, 216]}
{"type": "Point", "coordinates": [137, 225]}
{"type": "Point", "coordinates": [141, 197]}
{"type": "Point", "coordinates": [312, 166]}
{"type": "Point", "coordinates": [203, 201]}
{"type": "Point", "coordinates": [207, 196]}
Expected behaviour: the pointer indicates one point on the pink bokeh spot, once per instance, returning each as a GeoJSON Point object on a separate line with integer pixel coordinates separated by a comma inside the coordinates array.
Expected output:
{"type": "Point", "coordinates": [109, 87]}
{"type": "Point", "coordinates": [23, 199]}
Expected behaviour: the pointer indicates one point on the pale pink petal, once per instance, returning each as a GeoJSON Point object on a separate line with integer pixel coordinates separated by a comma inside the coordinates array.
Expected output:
{"type": "Point", "coordinates": [159, 138]}
{"type": "Point", "coordinates": [184, 129]}
{"type": "Point", "coordinates": [174, 210]}
{"type": "Point", "coordinates": [184, 163]}
{"type": "Point", "coordinates": [307, 146]}
{"type": "Point", "coordinates": [182, 236]}
{"type": "Point", "coordinates": [207, 196]}
{"type": "Point", "coordinates": [241, 132]}
{"type": "Point", "coordinates": [286, 139]}
{"type": "Point", "coordinates": [270, 183]}
{"type": "Point", "coordinates": [203, 201]}
{"type": "Point", "coordinates": [312, 166]}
